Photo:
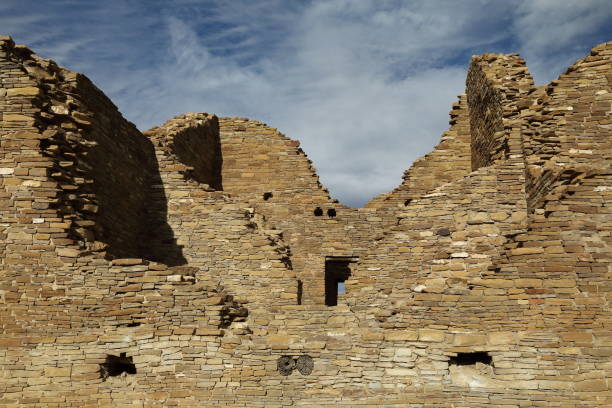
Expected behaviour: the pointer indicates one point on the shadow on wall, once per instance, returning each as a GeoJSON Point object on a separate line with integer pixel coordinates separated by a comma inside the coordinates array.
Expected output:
{"type": "Point", "coordinates": [133, 203]}
{"type": "Point", "coordinates": [112, 194]}
{"type": "Point", "coordinates": [159, 243]}
{"type": "Point", "coordinates": [201, 150]}
{"type": "Point", "coordinates": [185, 149]}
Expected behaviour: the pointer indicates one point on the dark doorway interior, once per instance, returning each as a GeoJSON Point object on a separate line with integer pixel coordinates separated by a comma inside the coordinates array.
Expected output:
{"type": "Point", "coordinates": [117, 365]}
{"type": "Point", "coordinates": [471, 358]}
{"type": "Point", "coordinates": [337, 271]}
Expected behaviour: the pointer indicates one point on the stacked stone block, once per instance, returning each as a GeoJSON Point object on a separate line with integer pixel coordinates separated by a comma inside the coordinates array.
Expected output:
{"type": "Point", "coordinates": [184, 266]}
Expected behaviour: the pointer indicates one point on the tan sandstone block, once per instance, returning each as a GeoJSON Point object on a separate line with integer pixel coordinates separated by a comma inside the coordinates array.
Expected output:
{"type": "Point", "coordinates": [591, 385]}
{"type": "Point", "coordinates": [401, 372]}
{"type": "Point", "coordinates": [570, 350]}
{"type": "Point", "coordinates": [209, 332]}
{"type": "Point", "coordinates": [526, 251]}
{"type": "Point", "coordinates": [183, 331]}
{"type": "Point", "coordinates": [26, 91]}
{"type": "Point", "coordinates": [282, 340]}
{"type": "Point", "coordinates": [469, 339]}
{"type": "Point", "coordinates": [578, 337]}
{"type": "Point", "coordinates": [68, 252]}
{"type": "Point", "coordinates": [477, 217]}
{"type": "Point", "coordinates": [14, 117]}
{"type": "Point", "coordinates": [126, 261]}
{"type": "Point", "coordinates": [85, 368]}
{"type": "Point", "coordinates": [519, 216]}
{"type": "Point", "coordinates": [214, 300]}
{"type": "Point", "coordinates": [402, 335]}
{"type": "Point", "coordinates": [14, 342]}
{"type": "Point", "coordinates": [501, 338]}
{"type": "Point", "coordinates": [528, 283]}
{"type": "Point", "coordinates": [335, 320]}
{"type": "Point", "coordinates": [25, 134]}
{"type": "Point", "coordinates": [430, 335]}
{"type": "Point", "coordinates": [495, 283]}
{"type": "Point", "coordinates": [77, 339]}
{"type": "Point", "coordinates": [499, 216]}
{"type": "Point", "coordinates": [372, 335]}
{"type": "Point", "coordinates": [57, 371]}
{"type": "Point", "coordinates": [559, 283]}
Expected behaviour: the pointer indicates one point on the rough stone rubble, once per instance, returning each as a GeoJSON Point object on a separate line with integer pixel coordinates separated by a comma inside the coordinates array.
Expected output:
{"type": "Point", "coordinates": [197, 263]}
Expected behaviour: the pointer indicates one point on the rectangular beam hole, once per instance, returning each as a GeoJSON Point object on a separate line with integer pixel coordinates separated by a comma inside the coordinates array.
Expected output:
{"type": "Point", "coordinates": [114, 366]}
{"type": "Point", "coordinates": [471, 358]}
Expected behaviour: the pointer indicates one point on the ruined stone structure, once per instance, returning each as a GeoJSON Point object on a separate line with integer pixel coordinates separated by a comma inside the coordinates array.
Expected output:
{"type": "Point", "coordinates": [201, 263]}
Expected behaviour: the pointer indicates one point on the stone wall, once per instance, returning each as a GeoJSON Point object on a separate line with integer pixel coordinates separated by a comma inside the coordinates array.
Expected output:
{"type": "Point", "coordinates": [218, 235]}
{"type": "Point", "coordinates": [195, 143]}
{"type": "Point", "coordinates": [566, 129]}
{"type": "Point", "coordinates": [77, 144]}
{"type": "Point", "coordinates": [26, 191]}
{"type": "Point", "coordinates": [497, 87]}
{"type": "Point", "coordinates": [187, 266]}
{"type": "Point", "coordinates": [263, 167]}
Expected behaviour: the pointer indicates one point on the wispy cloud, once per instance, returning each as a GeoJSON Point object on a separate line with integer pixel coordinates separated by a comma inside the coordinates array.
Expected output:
{"type": "Point", "coordinates": [553, 34]}
{"type": "Point", "coordinates": [365, 85]}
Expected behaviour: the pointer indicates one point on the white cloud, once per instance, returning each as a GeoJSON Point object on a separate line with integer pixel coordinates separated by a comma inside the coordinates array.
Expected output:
{"type": "Point", "coordinates": [553, 34]}
{"type": "Point", "coordinates": [364, 102]}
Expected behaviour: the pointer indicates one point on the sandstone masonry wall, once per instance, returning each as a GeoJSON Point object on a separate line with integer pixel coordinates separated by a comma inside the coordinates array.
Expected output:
{"type": "Point", "coordinates": [497, 88]}
{"type": "Point", "coordinates": [221, 237]}
{"type": "Point", "coordinates": [195, 143]}
{"type": "Point", "coordinates": [270, 172]}
{"type": "Point", "coordinates": [79, 142]}
{"type": "Point", "coordinates": [565, 131]}
{"type": "Point", "coordinates": [201, 278]}
{"type": "Point", "coordinates": [65, 308]}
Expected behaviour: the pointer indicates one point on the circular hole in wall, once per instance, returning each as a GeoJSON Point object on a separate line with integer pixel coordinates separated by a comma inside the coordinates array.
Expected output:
{"type": "Point", "coordinates": [305, 365]}
{"type": "Point", "coordinates": [285, 365]}
{"type": "Point", "coordinates": [443, 232]}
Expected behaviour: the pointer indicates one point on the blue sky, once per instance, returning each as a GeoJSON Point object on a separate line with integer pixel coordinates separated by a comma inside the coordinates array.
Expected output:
{"type": "Point", "coordinates": [365, 85]}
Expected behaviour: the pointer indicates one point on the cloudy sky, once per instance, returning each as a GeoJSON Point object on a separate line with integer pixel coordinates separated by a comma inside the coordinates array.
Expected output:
{"type": "Point", "coordinates": [365, 85]}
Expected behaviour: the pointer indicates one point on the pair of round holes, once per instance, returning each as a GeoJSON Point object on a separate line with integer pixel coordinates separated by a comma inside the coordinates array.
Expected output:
{"type": "Point", "coordinates": [286, 365]}
{"type": "Point", "coordinates": [331, 213]}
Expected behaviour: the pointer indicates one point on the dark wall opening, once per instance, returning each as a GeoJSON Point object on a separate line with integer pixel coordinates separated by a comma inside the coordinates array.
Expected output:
{"type": "Point", "coordinates": [117, 365]}
{"type": "Point", "coordinates": [337, 271]}
{"type": "Point", "coordinates": [300, 291]}
{"type": "Point", "coordinates": [471, 358]}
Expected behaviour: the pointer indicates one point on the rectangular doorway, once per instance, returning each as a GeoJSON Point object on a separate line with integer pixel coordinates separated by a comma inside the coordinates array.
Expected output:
{"type": "Point", "coordinates": [337, 271]}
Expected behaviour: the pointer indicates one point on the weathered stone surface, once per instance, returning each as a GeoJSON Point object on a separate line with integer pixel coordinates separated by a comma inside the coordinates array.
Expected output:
{"type": "Point", "coordinates": [469, 340]}
{"type": "Point", "coordinates": [176, 267]}
{"type": "Point", "coordinates": [403, 335]}
{"type": "Point", "coordinates": [25, 91]}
